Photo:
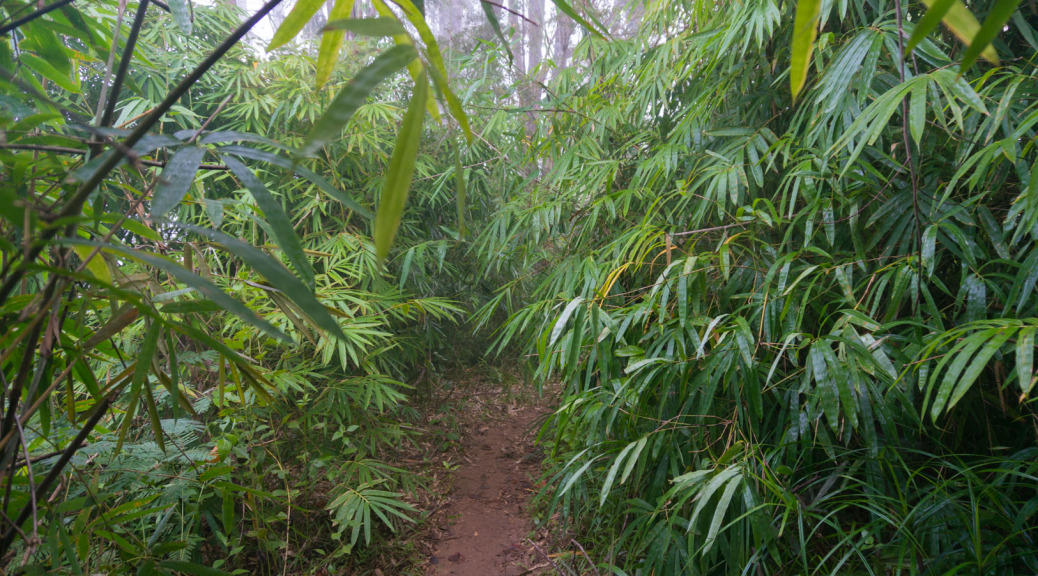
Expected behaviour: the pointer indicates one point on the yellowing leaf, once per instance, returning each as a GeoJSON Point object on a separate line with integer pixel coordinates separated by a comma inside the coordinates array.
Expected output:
{"type": "Point", "coordinates": [96, 265]}
{"type": "Point", "coordinates": [805, 29]}
{"type": "Point", "coordinates": [961, 23]}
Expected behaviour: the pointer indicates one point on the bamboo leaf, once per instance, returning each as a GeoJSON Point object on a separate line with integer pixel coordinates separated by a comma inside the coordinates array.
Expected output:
{"type": "Point", "coordinates": [176, 179]}
{"type": "Point", "coordinates": [139, 380]}
{"type": "Point", "coordinates": [301, 13]}
{"type": "Point", "coordinates": [1025, 360]}
{"type": "Point", "coordinates": [805, 29]}
{"type": "Point", "coordinates": [996, 19]}
{"type": "Point", "coordinates": [929, 21]}
{"type": "Point", "coordinates": [461, 193]}
{"type": "Point", "coordinates": [279, 222]}
{"type": "Point", "coordinates": [353, 96]}
{"type": "Point", "coordinates": [560, 324]}
{"type": "Point", "coordinates": [206, 288]}
{"type": "Point", "coordinates": [277, 274]}
{"type": "Point", "coordinates": [917, 112]}
{"type": "Point", "coordinates": [961, 22]}
{"type": "Point", "coordinates": [495, 25]}
{"type": "Point", "coordinates": [181, 15]}
{"type": "Point", "coordinates": [379, 27]}
{"type": "Point", "coordinates": [331, 43]}
{"type": "Point", "coordinates": [400, 171]}
{"type": "Point", "coordinates": [568, 10]}
{"type": "Point", "coordinates": [313, 177]}
{"type": "Point", "coordinates": [719, 512]}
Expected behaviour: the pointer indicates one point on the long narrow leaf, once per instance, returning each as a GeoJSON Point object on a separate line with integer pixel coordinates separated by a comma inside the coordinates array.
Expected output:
{"type": "Point", "coordinates": [401, 171]}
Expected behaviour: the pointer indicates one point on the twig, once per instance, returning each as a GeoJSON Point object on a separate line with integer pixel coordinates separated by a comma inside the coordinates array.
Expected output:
{"type": "Point", "coordinates": [908, 157]}
{"type": "Point", "coordinates": [582, 551]}
{"type": "Point", "coordinates": [124, 63]}
{"type": "Point", "coordinates": [510, 11]}
{"type": "Point", "coordinates": [546, 557]}
{"type": "Point", "coordinates": [75, 204]}
{"type": "Point", "coordinates": [712, 229]}
{"type": "Point", "coordinates": [209, 119]}
{"type": "Point", "coordinates": [78, 152]}
{"type": "Point", "coordinates": [32, 489]}
{"type": "Point", "coordinates": [30, 17]}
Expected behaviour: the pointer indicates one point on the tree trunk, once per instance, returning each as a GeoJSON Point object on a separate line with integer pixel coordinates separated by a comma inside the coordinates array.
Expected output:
{"type": "Point", "coordinates": [520, 40]}
{"type": "Point", "coordinates": [563, 40]}
{"type": "Point", "coordinates": [535, 38]}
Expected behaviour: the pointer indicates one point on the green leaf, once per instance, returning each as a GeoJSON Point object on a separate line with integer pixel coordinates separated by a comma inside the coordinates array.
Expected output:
{"type": "Point", "coordinates": [280, 224]}
{"type": "Point", "coordinates": [181, 14]}
{"type": "Point", "coordinates": [996, 19]}
{"type": "Point", "coordinates": [460, 195]}
{"type": "Point", "coordinates": [719, 512]}
{"type": "Point", "coordinates": [140, 377]}
{"type": "Point", "coordinates": [379, 27]}
{"type": "Point", "coordinates": [331, 123]}
{"type": "Point", "coordinates": [401, 170]}
{"type": "Point", "coordinates": [277, 275]}
{"type": "Point", "coordinates": [805, 29]}
{"type": "Point", "coordinates": [560, 324]}
{"type": "Point", "coordinates": [978, 364]}
{"type": "Point", "coordinates": [568, 10]}
{"type": "Point", "coordinates": [331, 43]}
{"type": "Point", "coordinates": [206, 288]}
{"type": "Point", "coordinates": [97, 265]}
{"type": "Point", "coordinates": [929, 21]}
{"type": "Point", "coordinates": [45, 69]}
{"type": "Point", "coordinates": [1025, 360]}
{"type": "Point", "coordinates": [176, 179]}
{"type": "Point", "coordinates": [495, 25]}
{"type": "Point", "coordinates": [301, 13]}
{"type": "Point", "coordinates": [437, 70]}
{"type": "Point", "coordinates": [929, 246]}
{"type": "Point", "coordinates": [960, 21]}
{"type": "Point", "coordinates": [302, 171]}
{"type": "Point", "coordinates": [917, 112]}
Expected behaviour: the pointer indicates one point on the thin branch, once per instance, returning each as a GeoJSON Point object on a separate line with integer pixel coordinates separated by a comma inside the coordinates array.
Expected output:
{"type": "Point", "coordinates": [711, 229]}
{"type": "Point", "coordinates": [510, 11]}
{"type": "Point", "coordinates": [124, 63]}
{"type": "Point", "coordinates": [32, 484]}
{"type": "Point", "coordinates": [55, 471]}
{"type": "Point", "coordinates": [546, 557]}
{"type": "Point", "coordinates": [78, 152]}
{"type": "Point", "coordinates": [908, 157]}
{"type": "Point", "coordinates": [30, 17]}
{"type": "Point", "coordinates": [75, 204]}
{"type": "Point", "coordinates": [584, 552]}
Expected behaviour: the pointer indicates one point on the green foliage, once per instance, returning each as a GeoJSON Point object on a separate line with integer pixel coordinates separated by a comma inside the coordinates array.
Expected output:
{"type": "Point", "coordinates": [787, 344]}
{"type": "Point", "coordinates": [200, 342]}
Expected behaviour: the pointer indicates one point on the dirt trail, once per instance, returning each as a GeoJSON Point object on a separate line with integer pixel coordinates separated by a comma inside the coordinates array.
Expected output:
{"type": "Point", "coordinates": [486, 519]}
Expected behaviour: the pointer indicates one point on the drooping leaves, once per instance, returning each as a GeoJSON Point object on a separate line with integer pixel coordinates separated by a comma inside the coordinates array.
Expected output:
{"type": "Point", "coordinates": [400, 171]}
{"type": "Point", "coordinates": [176, 179]}
{"type": "Point", "coordinates": [351, 97]}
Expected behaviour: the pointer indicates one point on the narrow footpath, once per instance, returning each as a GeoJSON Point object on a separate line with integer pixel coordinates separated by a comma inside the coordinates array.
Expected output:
{"type": "Point", "coordinates": [485, 522]}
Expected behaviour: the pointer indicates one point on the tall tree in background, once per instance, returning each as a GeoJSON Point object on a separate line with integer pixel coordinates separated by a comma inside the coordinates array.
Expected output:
{"type": "Point", "coordinates": [562, 41]}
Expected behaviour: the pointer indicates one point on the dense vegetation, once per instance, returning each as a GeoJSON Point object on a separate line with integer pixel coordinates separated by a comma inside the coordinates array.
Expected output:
{"type": "Point", "coordinates": [786, 282]}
